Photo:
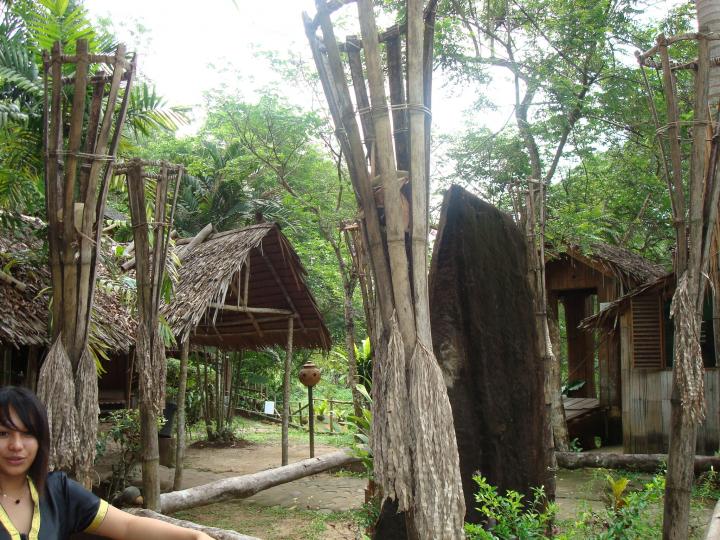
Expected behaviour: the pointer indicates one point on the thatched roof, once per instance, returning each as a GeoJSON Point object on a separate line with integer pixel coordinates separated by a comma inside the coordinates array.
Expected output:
{"type": "Point", "coordinates": [214, 274]}
{"type": "Point", "coordinates": [25, 314]}
{"type": "Point", "coordinates": [608, 316]}
{"type": "Point", "coordinates": [627, 266]}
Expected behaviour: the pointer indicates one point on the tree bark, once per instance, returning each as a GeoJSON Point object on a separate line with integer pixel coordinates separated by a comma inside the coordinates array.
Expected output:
{"type": "Point", "coordinates": [150, 457]}
{"type": "Point", "coordinates": [240, 487]}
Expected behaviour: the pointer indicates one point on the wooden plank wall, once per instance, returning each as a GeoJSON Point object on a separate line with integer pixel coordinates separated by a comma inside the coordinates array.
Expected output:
{"type": "Point", "coordinates": [646, 404]}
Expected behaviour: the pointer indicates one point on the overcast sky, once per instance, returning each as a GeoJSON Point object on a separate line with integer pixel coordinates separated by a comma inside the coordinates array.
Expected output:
{"type": "Point", "coordinates": [187, 48]}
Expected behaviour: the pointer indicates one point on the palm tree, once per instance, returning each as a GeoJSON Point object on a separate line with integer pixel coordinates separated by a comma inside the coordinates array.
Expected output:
{"type": "Point", "coordinates": [27, 28]}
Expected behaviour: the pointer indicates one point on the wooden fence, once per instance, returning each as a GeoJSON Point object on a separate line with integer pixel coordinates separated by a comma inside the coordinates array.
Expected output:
{"type": "Point", "coordinates": [253, 397]}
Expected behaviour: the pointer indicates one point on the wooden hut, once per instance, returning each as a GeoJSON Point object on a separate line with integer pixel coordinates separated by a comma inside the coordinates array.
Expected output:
{"type": "Point", "coordinates": [24, 301]}
{"type": "Point", "coordinates": [585, 281]}
{"type": "Point", "coordinates": [237, 289]}
{"type": "Point", "coordinates": [640, 321]}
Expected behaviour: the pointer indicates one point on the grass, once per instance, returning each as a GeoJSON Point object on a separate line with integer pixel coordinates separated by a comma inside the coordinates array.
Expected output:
{"type": "Point", "coordinates": [275, 522]}
{"type": "Point", "coordinates": [260, 432]}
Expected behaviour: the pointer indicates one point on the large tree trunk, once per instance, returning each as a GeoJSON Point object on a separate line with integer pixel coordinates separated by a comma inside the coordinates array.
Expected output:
{"type": "Point", "coordinates": [487, 346]}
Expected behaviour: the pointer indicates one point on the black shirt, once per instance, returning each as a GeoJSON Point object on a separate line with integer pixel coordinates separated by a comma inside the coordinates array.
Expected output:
{"type": "Point", "coordinates": [66, 508]}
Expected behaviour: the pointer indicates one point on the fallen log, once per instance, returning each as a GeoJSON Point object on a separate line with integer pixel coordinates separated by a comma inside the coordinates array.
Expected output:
{"type": "Point", "coordinates": [631, 462]}
{"type": "Point", "coordinates": [198, 239]}
{"type": "Point", "coordinates": [218, 534]}
{"type": "Point", "coordinates": [240, 487]}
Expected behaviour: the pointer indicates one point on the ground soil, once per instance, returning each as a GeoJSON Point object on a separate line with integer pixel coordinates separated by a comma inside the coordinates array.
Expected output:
{"type": "Point", "coordinates": [324, 506]}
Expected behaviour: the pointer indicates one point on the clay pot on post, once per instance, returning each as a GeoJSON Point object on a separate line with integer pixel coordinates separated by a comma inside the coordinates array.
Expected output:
{"type": "Point", "coordinates": [309, 375]}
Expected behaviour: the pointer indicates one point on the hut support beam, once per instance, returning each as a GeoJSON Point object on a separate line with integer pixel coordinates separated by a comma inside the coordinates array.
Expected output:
{"type": "Point", "coordinates": [182, 387]}
{"type": "Point", "coordinates": [286, 392]}
{"type": "Point", "coordinates": [249, 310]}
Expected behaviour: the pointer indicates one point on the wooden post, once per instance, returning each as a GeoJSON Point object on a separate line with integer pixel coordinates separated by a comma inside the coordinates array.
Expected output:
{"type": "Point", "coordinates": [182, 387]}
{"type": "Point", "coordinates": [300, 413]}
{"type": "Point", "coordinates": [32, 368]}
{"type": "Point", "coordinates": [330, 414]}
{"type": "Point", "coordinates": [311, 421]}
{"type": "Point", "coordinates": [286, 392]}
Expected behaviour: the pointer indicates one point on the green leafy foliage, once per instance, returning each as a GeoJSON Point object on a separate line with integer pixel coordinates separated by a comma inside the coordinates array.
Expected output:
{"type": "Point", "coordinates": [508, 516]}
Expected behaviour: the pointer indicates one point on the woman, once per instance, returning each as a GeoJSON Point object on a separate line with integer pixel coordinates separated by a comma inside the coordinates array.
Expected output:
{"type": "Point", "coordinates": [35, 505]}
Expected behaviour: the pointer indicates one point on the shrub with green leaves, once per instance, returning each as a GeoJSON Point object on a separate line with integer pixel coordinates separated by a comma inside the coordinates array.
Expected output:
{"type": "Point", "coordinates": [509, 517]}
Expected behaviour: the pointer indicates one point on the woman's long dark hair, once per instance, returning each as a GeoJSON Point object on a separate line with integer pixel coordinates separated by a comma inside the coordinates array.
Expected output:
{"type": "Point", "coordinates": [32, 413]}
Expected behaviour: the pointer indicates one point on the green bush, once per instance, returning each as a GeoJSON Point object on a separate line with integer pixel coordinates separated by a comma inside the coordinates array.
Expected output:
{"type": "Point", "coordinates": [508, 517]}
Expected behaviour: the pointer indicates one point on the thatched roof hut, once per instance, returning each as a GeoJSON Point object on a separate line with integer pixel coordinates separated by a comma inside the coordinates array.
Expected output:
{"type": "Point", "coordinates": [237, 289]}
{"type": "Point", "coordinates": [25, 319]}
{"type": "Point", "coordinates": [629, 268]}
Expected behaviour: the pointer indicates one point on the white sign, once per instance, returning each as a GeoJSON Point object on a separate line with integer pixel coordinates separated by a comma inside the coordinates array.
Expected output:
{"type": "Point", "coordinates": [269, 407]}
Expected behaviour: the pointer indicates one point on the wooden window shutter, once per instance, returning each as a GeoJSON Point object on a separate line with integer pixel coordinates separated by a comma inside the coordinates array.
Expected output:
{"type": "Point", "coordinates": [647, 332]}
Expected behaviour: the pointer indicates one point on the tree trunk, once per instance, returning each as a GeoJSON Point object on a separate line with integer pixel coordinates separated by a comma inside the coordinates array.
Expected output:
{"type": "Point", "coordinates": [150, 457]}
{"type": "Point", "coordinates": [240, 487]}
{"type": "Point", "coordinates": [687, 402]}
{"type": "Point", "coordinates": [557, 410]}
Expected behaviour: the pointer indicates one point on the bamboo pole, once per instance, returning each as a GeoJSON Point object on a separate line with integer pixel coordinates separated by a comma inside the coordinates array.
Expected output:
{"type": "Point", "coordinates": [418, 113]}
{"type": "Point", "coordinates": [394, 221]}
{"type": "Point", "coordinates": [396, 83]}
{"type": "Point", "coordinates": [677, 192]}
{"type": "Point", "coordinates": [337, 92]}
{"type": "Point", "coordinates": [353, 47]}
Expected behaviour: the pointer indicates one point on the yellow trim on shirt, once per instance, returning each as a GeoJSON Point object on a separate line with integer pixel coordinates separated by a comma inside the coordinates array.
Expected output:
{"type": "Point", "coordinates": [35, 525]}
{"type": "Point", "coordinates": [7, 524]}
{"type": "Point", "coordinates": [102, 510]}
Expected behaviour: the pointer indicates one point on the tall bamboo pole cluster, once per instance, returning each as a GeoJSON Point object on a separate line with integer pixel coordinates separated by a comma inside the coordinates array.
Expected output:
{"type": "Point", "coordinates": [83, 117]}
{"type": "Point", "coordinates": [694, 200]}
{"type": "Point", "coordinates": [152, 190]}
{"type": "Point", "coordinates": [386, 146]}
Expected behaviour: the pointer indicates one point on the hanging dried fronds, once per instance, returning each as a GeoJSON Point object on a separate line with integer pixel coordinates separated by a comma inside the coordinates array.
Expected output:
{"type": "Point", "coordinates": [390, 430]}
{"type": "Point", "coordinates": [690, 370]}
{"type": "Point", "coordinates": [56, 387]}
{"type": "Point", "coordinates": [434, 447]}
{"type": "Point", "coordinates": [86, 399]}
